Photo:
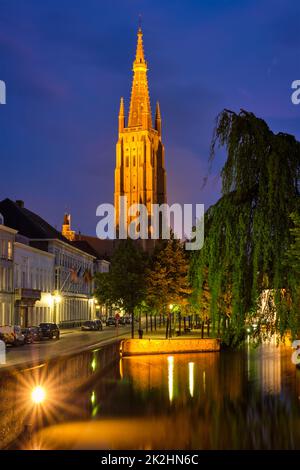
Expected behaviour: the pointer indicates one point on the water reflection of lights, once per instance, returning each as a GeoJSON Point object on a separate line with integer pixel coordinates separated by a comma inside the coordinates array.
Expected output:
{"type": "Point", "coordinates": [171, 377]}
{"type": "Point", "coordinates": [38, 395]}
{"type": "Point", "coordinates": [43, 393]}
{"type": "Point", "coordinates": [94, 364]}
{"type": "Point", "coordinates": [121, 368]}
{"type": "Point", "coordinates": [191, 378]}
{"type": "Point", "coordinates": [204, 381]}
{"type": "Point", "coordinates": [93, 397]}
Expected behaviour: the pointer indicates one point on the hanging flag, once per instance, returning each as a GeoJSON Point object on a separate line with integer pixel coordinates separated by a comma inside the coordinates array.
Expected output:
{"type": "Point", "coordinates": [74, 277]}
{"type": "Point", "coordinates": [87, 276]}
{"type": "Point", "coordinates": [75, 274]}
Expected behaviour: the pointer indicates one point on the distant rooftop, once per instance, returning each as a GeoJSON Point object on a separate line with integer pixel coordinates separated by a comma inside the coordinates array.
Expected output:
{"type": "Point", "coordinates": [26, 222]}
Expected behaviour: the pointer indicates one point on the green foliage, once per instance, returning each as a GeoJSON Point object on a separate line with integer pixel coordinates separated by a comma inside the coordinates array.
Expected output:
{"type": "Point", "coordinates": [124, 285]}
{"type": "Point", "coordinates": [167, 277]}
{"type": "Point", "coordinates": [247, 231]}
{"type": "Point", "coordinates": [293, 254]}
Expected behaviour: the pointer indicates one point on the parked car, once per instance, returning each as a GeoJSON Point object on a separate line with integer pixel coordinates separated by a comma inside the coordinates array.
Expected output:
{"type": "Point", "coordinates": [122, 321]}
{"type": "Point", "coordinates": [31, 334]}
{"type": "Point", "coordinates": [99, 324]}
{"type": "Point", "coordinates": [12, 335]}
{"type": "Point", "coordinates": [49, 330]}
{"type": "Point", "coordinates": [91, 325]}
{"type": "Point", "coordinates": [110, 321]}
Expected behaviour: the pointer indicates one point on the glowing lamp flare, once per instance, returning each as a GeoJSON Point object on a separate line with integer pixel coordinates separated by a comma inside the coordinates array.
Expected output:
{"type": "Point", "coordinates": [38, 395]}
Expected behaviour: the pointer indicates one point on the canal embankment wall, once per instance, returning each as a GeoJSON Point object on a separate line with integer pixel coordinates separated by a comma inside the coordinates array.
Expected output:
{"type": "Point", "coordinates": [135, 347]}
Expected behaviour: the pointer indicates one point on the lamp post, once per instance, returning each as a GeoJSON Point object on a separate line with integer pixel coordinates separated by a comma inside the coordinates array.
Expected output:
{"type": "Point", "coordinates": [169, 320]}
{"type": "Point", "coordinates": [56, 300]}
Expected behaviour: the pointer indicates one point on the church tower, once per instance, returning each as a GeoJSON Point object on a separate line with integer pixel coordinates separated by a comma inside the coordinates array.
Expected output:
{"type": "Point", "coordinates": [140, 170]}
{"type": "Point", "coordinates": [66, 230]}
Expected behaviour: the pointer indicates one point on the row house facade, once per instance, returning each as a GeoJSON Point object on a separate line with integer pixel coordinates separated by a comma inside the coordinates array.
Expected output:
{"type": "Point", "coordinates": [73, 300]}
{"type": "Point", "coordinates": [44, 277]}
{"type": "Point", "coordinates": [33, 284]}
{"type": "Point", "coordinates": [7, 239]}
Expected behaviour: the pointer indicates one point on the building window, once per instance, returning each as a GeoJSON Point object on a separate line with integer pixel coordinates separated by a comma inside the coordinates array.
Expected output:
{"type": "Point", "coordinates": [10, 250]}
{"type": "Point", "coordinates": [127, 161]}
{"type": "Point", "coordinates": [2, 249]}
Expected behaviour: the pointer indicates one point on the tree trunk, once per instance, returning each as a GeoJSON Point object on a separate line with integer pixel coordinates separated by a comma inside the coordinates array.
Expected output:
{"type": "Point", "coordinates": [160, 320]}
{"type": "Point", "coordinates": [146, 322]}
{"type": "Point", "coordinates": [140, 320]}
{"type": "Point", "coordinates": [202, 330]}
{"type": "Point", "coordinates": [151, 325]}
{"type": "Point", "coordinates": [179, 324]}
{"type": "Point", "coordinates": [132, 324]}
{"type": "Point", "coordinates": [167, 328]}
{"type": "Point", "coordinates": [155, 322]}
{"type": "Point", "coordinates": [208, 328]}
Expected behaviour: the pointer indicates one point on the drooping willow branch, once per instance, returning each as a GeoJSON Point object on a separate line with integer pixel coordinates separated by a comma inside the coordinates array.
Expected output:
{"type": "Point", "coordinates": [248, 229]}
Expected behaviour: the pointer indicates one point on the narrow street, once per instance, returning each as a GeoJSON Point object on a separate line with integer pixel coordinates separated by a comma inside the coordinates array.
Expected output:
{"type": "Point", "coordinates": [71, 341]}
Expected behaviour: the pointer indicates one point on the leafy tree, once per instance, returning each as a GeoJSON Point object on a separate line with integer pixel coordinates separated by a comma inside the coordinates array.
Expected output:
{"type": "Point", "coordinates": [124, 285]}
{"type": "Point", "coordinates": [291, 298]}
{"type": "Point", "coordinates": [247, 231]}
{"type": "Point", "coordinates": [167, 278]}
{"type": "Point", "coordinates": [293, 254]}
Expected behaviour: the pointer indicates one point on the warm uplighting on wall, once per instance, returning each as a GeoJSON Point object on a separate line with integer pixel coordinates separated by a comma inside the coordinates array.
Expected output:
{"type": "Point", "coordinates": [48, 299]}
{"type": "Point", "coordinates": [57, 298]}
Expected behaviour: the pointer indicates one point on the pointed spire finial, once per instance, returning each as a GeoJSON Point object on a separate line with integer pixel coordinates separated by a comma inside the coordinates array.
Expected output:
{"type": "Point", "coordinates": [140, 22]}
{"type": "Point", "coordinates": [140, 109]}
{"type": "Point", "coordinates": [121, 116]}
{"type": "Point", "coordinates": [158, 118]}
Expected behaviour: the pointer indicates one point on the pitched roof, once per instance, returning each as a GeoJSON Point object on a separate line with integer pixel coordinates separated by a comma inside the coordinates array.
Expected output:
{"type": "Point", "coordinates": [26, 222]}
{"type": "Point", "coordinates": [104, 249]}
{"type": "Point", "coordinates": [85, 246]}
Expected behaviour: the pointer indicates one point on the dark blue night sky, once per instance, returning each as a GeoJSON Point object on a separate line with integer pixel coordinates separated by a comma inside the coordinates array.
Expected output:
{"type": "Point", "coordinates": [67, 63]}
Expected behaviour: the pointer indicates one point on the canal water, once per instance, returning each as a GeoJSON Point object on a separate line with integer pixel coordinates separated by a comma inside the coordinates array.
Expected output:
{"type": "Point", "coordinates": [249, 399]}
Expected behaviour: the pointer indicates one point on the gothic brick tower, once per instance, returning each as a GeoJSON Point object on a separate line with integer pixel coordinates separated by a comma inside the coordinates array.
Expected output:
{"type": "Point", "coordinates": [140, 171]}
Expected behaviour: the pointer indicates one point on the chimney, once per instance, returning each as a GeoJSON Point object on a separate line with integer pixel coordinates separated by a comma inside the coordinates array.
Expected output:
{"type": "Point", "coordinates": [20, 203]}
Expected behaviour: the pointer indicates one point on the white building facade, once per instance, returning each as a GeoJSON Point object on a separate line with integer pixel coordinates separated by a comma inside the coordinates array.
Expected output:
{"type": "Point", "coordinates": [34, 285]}
{"type": "Point", "coordinates": [7, 238]}
{"type": "Point", "coordinates": [73, 300]}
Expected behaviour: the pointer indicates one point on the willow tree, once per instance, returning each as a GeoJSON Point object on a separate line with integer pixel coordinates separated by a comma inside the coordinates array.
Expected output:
{"type": "Point", "coordinates": [247, 231]}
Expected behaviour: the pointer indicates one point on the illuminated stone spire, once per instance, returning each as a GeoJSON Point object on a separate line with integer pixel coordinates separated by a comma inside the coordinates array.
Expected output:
{"type": "Point", "coordinates": [140, 109]}
{"type": "Point", "coordinates": [121, 116]}
{"type": "Point", "coordinates": [140, 173]}
{"type": "Point", "coordinates": [158, 119]}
